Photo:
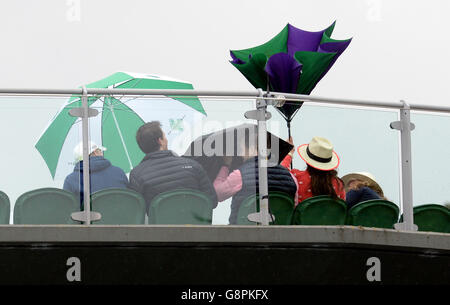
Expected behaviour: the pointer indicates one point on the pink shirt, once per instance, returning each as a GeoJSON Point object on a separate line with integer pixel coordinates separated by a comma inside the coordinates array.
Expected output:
{"type": "Point", "coordinates": [226, 185]}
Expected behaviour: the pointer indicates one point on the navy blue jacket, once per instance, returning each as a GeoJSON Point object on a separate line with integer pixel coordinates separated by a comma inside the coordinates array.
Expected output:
{"type": "Point", "coordinates": [365, 193]}
{"type": "Point", "coordinates": [163, 171]}
{"type": "Point", "coordinates": [278, 178]}
{"type": "Point", "coordinates": [103, 175]}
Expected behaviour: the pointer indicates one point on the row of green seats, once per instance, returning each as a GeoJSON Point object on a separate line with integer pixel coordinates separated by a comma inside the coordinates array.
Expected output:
{"type": "Point", "coordinates": [117, 206]}
{"type": "Point", "coordinates": [323, 210]}
{"type": "Point", "coordinates": [123, 206]}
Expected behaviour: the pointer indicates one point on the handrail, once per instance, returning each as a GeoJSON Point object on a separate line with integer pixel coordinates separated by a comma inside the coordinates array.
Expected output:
{"type": "Point", "coordinates": [225, 93]}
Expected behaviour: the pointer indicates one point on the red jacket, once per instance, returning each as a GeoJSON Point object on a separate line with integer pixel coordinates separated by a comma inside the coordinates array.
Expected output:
{"type": "Point", "coordinates": [304, 182]}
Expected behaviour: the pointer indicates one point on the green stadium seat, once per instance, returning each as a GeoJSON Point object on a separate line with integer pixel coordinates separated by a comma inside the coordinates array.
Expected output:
{"type": "Point", "coordinates": [118, 206]}
{"type": "Point", "coordinates": [375, 213]}
{"type": "Point", "coordinates": [281, 206]}
{"type": "Point", "coordinates": [46, 206]}
{"type": "Point", "coordinates": [432, 218]}
{"type": "Point", "coordinates": [320, 210]}
{"type": "Point", "coordinates": [182, 206]}
{"type": "Point", "coordinates": [5, 208]}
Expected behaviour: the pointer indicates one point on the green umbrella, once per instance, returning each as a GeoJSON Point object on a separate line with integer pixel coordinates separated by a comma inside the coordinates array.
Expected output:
{"type": "Point", "coordinates": [116, 125]}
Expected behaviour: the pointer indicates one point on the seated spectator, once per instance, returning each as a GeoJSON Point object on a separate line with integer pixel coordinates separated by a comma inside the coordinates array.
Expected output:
{"type": "Point", "coordinates": [243, 182]}
{"type": "Point", "coordinates": [162, 170]}
{"type": "Point", "coordinates": [102, 174]}
{"type": "Point", "coordinates": [320, 176]}
{"type": "Point", "coordinates": [361, 187]}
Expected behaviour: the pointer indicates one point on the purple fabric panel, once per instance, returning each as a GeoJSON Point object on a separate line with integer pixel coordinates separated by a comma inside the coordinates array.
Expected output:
{"type": "Point", "coordinates": [235, 59]}
{"type": "Point", "coordinates": [284, 72]}
{"type": "Point", "coordinates": [333, 47]}
{"type": "Point", "coordinates": [300, 40]}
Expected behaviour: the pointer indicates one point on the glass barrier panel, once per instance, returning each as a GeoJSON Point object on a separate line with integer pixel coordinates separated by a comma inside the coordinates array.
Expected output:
{"type": "Point", "coordinates": [146, 137]}
{"type": "Point", "coordinates": [362, 140]}
{"type": "Point", "coordinates": [38, 153]}
{"type": "Point", "coordinates": [430, 149]}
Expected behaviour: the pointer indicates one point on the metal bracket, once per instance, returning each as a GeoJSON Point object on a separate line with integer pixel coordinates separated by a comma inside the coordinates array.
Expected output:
{"type": "Point", "coordinates": [255, 114]}
{"type": "Point", "coordinates": [403, 226]}
{"type": "Point", "coordinates": [79, 112]}
{"type": "Point", "coordinates": [82, 216]}
{"type": "Point", "coordinates": [397, 125]}
{"type": "Point", "coordinates": [258, 217]}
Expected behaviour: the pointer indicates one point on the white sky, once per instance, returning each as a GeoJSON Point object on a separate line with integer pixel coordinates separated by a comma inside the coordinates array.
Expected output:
{"type": "Point", "coordinates": [398, 52]}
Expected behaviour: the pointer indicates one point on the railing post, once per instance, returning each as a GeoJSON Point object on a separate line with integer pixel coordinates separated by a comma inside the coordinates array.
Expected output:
{"type": "Point", "coordinates": [85, 112]}
{"type": "Point", "coordinates": [405, 126]}
{"type": "Point", "coordinates": [261, 115]}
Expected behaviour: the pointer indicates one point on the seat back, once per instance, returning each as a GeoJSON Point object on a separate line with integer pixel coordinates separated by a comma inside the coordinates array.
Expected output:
{"type": "Point", "coordinates": [45, 206]}
{"type": "Point", "coordinates": [183, 206]}
{"type": "Point", "coordinates": [118, 206]}
{"type": "Point", "coordinates": [432, 218]}
{"type": "Point", "coordinates": [375, 213]}
{"type": "Point", "coordinates": [5, 208]}
{"type": "Point", "coordinates": [320, 210]}
{"type": "Point", "coordinates": [281, 205]}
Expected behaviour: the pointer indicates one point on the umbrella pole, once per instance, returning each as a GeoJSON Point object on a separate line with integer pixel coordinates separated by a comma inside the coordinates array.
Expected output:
{"type": "Point", "coordinates": [288, 122]}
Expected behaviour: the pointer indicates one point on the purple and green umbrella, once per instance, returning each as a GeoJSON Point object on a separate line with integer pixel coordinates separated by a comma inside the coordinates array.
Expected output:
{"type": "Point", "coordinates": [294, 61]}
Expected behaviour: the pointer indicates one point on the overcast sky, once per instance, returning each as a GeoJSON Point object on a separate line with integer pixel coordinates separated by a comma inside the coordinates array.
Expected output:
{"type": "Point", "coordinates": [399, 48]}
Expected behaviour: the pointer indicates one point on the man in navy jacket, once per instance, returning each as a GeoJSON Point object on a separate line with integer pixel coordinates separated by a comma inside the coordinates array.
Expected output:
{"type": "Point", "coordinates": [162, 170]}
{"type": "Point", "coordinates": [103, 174]}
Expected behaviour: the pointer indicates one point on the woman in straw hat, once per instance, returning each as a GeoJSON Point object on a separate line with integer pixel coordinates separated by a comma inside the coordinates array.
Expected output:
{"type": "Point", "coordinates": [361, 187]}
{"type": "Point", "coordinates": [320, 176]}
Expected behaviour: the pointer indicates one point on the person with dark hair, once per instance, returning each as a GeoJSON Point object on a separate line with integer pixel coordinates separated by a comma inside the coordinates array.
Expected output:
{"type": "Point", "coordinates": [102, 174]}
{"type": "Point", "coordinates": [320, 176]}
{"type": "Point", "coordinates": [161, 170]}
{"type": "Point", "coordinates": [361, 187]}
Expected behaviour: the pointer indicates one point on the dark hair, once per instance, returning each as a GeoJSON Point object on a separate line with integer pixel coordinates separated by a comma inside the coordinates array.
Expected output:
{"type": "Point", "coordinates": [322, 182]}
{"type": "Point", "coordinates": [147, 136]}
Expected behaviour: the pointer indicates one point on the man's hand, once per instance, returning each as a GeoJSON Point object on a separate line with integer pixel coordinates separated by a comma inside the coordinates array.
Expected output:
{"type": "Point", "coordinates": [291, 141]}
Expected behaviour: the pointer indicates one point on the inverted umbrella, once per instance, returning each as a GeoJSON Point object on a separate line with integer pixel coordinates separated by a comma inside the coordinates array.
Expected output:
{"type": "Point", "coordinates": [209, 149]}
{"type": "Point", "coordinates": [119, 118]}
{"type": "Point", "coordinates": [294, 61]}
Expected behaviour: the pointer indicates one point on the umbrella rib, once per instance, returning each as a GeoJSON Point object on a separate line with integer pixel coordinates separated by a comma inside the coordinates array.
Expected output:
{"type": "Point", "coordinates": [121, 136]}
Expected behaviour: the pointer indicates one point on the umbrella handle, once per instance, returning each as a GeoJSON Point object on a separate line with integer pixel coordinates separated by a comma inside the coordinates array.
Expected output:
{"type": "Point", "coordinates": [288, 122]}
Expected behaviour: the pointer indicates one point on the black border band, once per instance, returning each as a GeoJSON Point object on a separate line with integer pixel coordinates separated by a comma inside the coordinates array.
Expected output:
{"type": "Point", "coordinates": [316, 158]}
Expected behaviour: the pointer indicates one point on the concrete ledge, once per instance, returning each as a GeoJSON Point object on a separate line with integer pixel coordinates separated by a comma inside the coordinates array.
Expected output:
{"type": "Point", "coordinates": [223, 235]}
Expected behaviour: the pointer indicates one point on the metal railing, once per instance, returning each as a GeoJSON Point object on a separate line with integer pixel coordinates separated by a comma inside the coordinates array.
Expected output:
{"type": "Point", "coordinates": [261, 115]}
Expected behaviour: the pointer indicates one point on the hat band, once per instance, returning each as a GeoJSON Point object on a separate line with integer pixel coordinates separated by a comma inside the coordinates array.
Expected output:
{"type": "Point", "coordinates": [316, 158]}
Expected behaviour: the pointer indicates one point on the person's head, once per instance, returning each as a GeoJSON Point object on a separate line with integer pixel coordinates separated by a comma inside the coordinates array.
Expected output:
{"type": "Point", "coordinates": [94, 150]}
{"type": "Point", "coordinates": [355, 181]}
{"type": "Point", "coordinates": [322, 162]}
{"type": "Point", "coordinates": [151, 138]}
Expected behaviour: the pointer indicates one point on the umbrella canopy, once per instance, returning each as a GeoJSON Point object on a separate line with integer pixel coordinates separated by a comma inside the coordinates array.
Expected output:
{"type": "Point", "coordinates": [294, 61]}
{"type": "Point", "coordinates": [116, 125]}
{"type": "Point", "coordinates": [209, 149]}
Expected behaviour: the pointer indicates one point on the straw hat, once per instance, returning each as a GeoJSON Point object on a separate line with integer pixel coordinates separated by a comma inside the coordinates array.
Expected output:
{"type": "Point", "coordinates": [78, 150]}
{"type": "Point", "coordinates": [365, 177]}
{"type": "Point", "coordinates": [319, 154]}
